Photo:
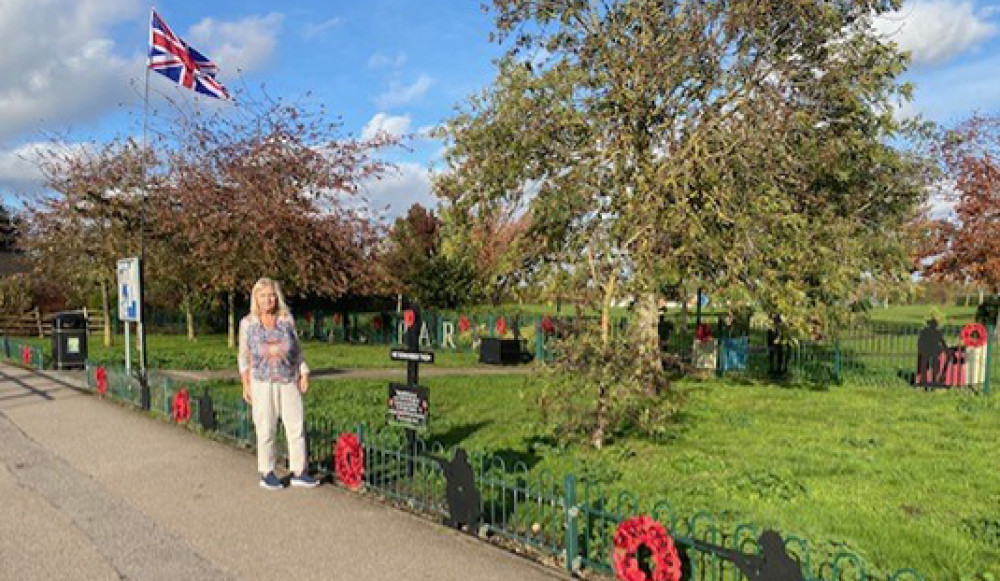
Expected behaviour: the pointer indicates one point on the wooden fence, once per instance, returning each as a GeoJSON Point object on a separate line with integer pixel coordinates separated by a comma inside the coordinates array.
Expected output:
{"type": "Point", "coordinates": [34, 323]}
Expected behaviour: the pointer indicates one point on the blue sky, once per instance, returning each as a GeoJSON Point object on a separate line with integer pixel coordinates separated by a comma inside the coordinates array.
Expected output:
{"type": "Point", "coordinates": [73, 69]}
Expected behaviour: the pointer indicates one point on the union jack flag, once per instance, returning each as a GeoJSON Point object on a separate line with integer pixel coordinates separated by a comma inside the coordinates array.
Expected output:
{"type": "Point", "coordinates": [170, 56]}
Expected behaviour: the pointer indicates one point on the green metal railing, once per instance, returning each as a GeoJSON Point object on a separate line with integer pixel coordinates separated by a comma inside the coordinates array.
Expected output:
{"type": "Point", "coordinates": [886, 355]}
{"type": "Point", "coordinates": [567, 518]}
{"type": "Point", "coordinates": [574, 520]}
{"type": "Point", "coordinates": [22, 353]}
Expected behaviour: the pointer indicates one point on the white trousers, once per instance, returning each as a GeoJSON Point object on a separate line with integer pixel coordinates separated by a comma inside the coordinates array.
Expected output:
{"type": "Point", "coordinates": [273, 400]}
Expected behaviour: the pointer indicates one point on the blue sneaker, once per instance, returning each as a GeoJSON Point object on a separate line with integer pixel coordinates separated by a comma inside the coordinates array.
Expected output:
{"type": "Point", "coordinates": [270, 482]}
{"type": "Point", "coordinates": [304, 481]}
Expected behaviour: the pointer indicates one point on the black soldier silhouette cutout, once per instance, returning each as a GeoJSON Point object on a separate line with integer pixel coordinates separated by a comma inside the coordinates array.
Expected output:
{"type": "Point", "coordinates": [463, 497]}
{"type": "Point", "coordinates": [778, 351]}
{"type": "Point", "coordinates": [206, 413]}
{"type": "Point", "coordinates": [930, 347]}
{"type": "Point", "coordinates": [772, 564]}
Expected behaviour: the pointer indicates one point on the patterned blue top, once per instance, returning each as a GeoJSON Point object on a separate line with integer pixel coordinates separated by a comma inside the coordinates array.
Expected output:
{"type": "Point", "coordinates": [271, 354]}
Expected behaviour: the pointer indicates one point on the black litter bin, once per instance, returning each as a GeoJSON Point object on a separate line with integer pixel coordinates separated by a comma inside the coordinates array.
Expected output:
{"type": "Point", "coordinates": [501, 351]}
{"type": "Point", "coordinates": [69, 341]}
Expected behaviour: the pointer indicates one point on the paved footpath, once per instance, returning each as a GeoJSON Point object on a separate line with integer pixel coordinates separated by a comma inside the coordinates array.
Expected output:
{"type": "Point", "coordinates": [91, 490]}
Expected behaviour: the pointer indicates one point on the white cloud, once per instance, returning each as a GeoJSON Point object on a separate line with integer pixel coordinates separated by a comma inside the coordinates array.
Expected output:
{"type": "Point", "coordinates": [381, 60]}
{"type": "Point", "coordinates": [904, 109]}
{"type": "Point", "coordinates": [59, 65]}
{"type": "Point", "coordinates": [237, 46]}
{"type": "Point", "coordinates": [400, 189]}
{"type": "Point", "coordinates": [396, 126]}
{"type": "Point", "coordinates": [942, 199]}
{"type": "Point", "coordinates": [427, 131]}
{"type": "Point", "coordinates": [936, 30]}
{"type": "Point", "coordinates": [311, 31]}
{"type": "Point", "coordinates": [19, 171]}
{"type": "Point", "coordinates": [402, 94]}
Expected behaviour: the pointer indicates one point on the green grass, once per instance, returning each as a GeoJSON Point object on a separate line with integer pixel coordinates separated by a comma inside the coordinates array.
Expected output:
{"type": "Point", "coordinates": [211, 352]}
{"type": "Point", "coordinates": [904, 478]}
{"type": "Point", "coordinates": [918, 314]}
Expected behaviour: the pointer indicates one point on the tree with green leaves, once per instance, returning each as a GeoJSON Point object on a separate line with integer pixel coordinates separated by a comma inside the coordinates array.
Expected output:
{"type": "Point", "coordinates": [10, 225]}
{"type": "Point", "coordinates": [495, 244]}
{"type": "Point", "coordinates": [742, 145]}
{"type": "Point", "coordinates": [416, 265]}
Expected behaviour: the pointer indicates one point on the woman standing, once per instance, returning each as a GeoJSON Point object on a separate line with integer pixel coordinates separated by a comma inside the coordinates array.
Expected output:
{"type": "Point", "coordinates": [275, 377]}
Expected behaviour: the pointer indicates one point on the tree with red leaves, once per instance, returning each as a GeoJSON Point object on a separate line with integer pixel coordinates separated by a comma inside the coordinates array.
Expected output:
{"type": "Point", "coordinates": [966, 247]}
{"type": "Point", "coordinates": [269, 189]}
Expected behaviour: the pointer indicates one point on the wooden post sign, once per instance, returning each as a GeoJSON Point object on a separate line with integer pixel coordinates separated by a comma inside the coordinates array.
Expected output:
{"type": "Point", "coordinates": [409, 403]}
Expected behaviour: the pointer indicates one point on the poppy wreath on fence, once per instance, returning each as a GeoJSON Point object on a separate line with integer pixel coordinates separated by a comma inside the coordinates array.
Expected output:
{"type": "Point", "coordinates": [703, 332]}
{"type": "Point", "coordinates": [377, 323]}
{"type": "Point", "coordinates": [663, 563]}
{"type": "Point", "coordinates": [101, 377]}
{"type": "Point", "coordinates": [26, 355]}
{"type": "Point", "coordinates": [409, 317]}
{"type": "Point", "coordinates": [548, 326]}
{"type": "Point", "coordinates": [349, 461]}
{"type": "Point", "coordinates": [181, 406]}
{"type": "Point", "coordinates": [974, 335]}
{"type": "Point", "coordinates": [501, 326]}
{"type": "Point", "coordinates": [463, 324]}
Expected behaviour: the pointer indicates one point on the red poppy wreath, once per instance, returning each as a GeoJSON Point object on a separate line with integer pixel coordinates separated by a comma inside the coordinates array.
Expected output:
{"type": "Point", "coordinates": [181, 406]}
{"type": "Point", "coordinates": [974, 335]}
{"type": "Point", "coordinates": [663, 564]}
{"type": "Point", "coordinates": [349, 461]}
{"type": "Point", "coordinates": [101, 377]}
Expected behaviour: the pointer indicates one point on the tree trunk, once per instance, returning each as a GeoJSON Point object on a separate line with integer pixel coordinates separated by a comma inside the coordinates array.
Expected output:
{"type": "Point", "coordinates": [601, 410]}
{"type": "Point", "coordinates": [189, 317]}
{"type": "Point", "coordinates": [232, 319]}
{"type": "Point", "coordinates": [981, 297]}
{"type": "Point", "coordinates": [684, 310]}
{"type": "Point", "coordinates": [606, 301]}
{"type": "Point", "coordinates": [106, 312]}
{"type": "Point", "coordinates": [649, 338]}
{"type": "Point", "coordinates": [996, 323]}
{"type": "Point", "coordinates": [597, 436]}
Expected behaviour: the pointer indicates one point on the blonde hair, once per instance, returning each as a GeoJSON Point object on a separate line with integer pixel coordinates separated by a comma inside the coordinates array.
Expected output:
{"type": "Point", "coordinates": [257, 287]}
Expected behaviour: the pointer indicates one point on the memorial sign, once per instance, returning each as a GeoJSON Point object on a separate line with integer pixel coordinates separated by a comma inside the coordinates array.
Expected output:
{"type": "Point", "coordinates": [417, 356]}
{"type": "Point", "coordinates": [408, 405]}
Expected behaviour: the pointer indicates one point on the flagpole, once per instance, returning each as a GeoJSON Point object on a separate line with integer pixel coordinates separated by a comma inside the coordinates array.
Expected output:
{"type": "Point", "coordinates": [145, 396]}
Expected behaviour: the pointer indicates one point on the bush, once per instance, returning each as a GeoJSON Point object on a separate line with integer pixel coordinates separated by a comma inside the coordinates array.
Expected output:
{"type": "Point", "coordinates": [598, 390]}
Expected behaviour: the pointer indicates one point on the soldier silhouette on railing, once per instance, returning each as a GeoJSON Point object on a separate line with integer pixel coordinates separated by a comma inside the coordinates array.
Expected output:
{"type": "Point", "coordinates": [930, 347]}
{"type": "Point", "coordinates": [206, 412]}
{"type": "Point", "coordinates": [772, 564]}
{"type": "Point", "coordinates": [778, 350]}
{"type": "Point", "coordinates": [463, 497]}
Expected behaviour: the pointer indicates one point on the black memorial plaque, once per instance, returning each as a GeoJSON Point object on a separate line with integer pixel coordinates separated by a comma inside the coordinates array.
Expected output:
{"type": "Point", "coordinates": [409, 405]}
